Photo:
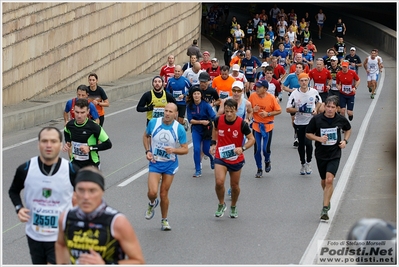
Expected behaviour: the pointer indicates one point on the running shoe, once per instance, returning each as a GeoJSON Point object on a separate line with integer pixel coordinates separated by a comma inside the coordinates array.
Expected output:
{"type": "Point", "coordinates": [308, 168]}
{"type": "Point", "coordinates": [165, 225]}
{"type": "Point", "coordinates": [206, 157]}
{"type": "Point", "coordinates": [229, 192]}
{"type": "Point", "coordinates": [324, 214]}
{"type": "Point", "coordinates": [212, 164]}
{"type": "Point", "coordinates": [370, 90]}
{"type": "Point", "coordinates": [303, 169]}
{"type": "Point", "coordinates": [350, 117]}
{"type": "Point", "coordinates": [329, 205]}
{"type": "Point", "coordinates": [233, 212]}
{"type": "Point", "coordinates": [372, 96]}
{"type": "Point", "coordinates": [151, 209]}
{"type": "Point", "coordinates": [268, 166]}
{"type": "Point", "coordinates": [197, 174]}
{"type": "Point", "coordinates": [260, 55]}
{"type": "Point", "coordinates": [296, 142]}
{"type": "Point", "coordinates": [221, 209]}
{"type": "Point", "coordinates": [186, 124]}
{"type": "Point", "coordinates": [259, 173]}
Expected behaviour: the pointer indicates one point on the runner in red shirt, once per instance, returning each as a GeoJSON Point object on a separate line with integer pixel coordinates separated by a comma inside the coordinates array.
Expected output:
{"type": "Point", "coordinates": [321, 79]}
{"type": "Point", "coordinates": [168, 70]}
{"type": "Point", "coordinates": [347, 83]}
{"type": "Point", "coordinates": [214, 71]}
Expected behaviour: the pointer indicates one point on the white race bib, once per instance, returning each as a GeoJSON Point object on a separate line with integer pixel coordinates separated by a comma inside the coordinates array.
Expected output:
{"type": "Point", "coordinates": [158, 112]}
{"type": "Point", "coordinates": [45, 220]}
{"type": "Point", "coordinates": [332, 135]}
{"type": "Point", "coordinates": [77, 153]}
{"type": "Point", "coordinates": [223, 95]}
{"type": "Point", "coordinates": [227, 152]}
{"type": "Point", "coordinates": [346, 88]}
{"type": "Point", "coordinates": [176, 95]}
{"type": "Point", "coordinates": [319, 87]}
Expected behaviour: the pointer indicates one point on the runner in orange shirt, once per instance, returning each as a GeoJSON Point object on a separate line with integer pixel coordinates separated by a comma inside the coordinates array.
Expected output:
{"type": "Point", "coordinates": [223, 83]}
{"type": "Point", "coordinates": [265, 107]}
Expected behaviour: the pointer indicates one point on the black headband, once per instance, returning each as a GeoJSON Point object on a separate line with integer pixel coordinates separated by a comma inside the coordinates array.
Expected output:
{"type": "Point", "coordinates": [90, 176]}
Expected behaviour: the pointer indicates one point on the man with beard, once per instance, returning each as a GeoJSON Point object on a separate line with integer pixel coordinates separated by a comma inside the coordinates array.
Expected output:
{"type": "Point", "coordinates": [154, 101]}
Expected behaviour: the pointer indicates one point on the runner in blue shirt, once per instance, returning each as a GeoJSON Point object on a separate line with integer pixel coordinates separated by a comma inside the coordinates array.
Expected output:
{"type": "Point", "coordinates": [178, 86]}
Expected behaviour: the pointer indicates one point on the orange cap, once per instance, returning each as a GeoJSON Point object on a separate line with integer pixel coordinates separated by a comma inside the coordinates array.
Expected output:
{"type": "Point", "coordinates": [303, 75]}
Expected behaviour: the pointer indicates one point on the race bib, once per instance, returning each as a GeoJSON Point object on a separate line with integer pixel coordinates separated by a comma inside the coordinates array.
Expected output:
{"type": "Point", "coordinates": [332, 135]}
{"type": "Point", "coordinates": [158, 112]}
{"type": "Point", "coordinates": [45, 220]}
{"type": "Point", "coordinates": [267, 50]}
{"type": "Point", "coordinates": [249, 70]}
{"type": "Point", "coordinates": [352, 67]}
{"type": "Point", "coordinates": [249, 31]}
{"type": "Point", "coordinates": [227, 152]}
{"type": "Point", "coordinates": [334, 84]}
{"type": "Point", "coordinates": [176, 95]}
{"type": "Point", "coordinates": [339, 29]}
{"type": "Point", "coordinates": [346, 88]}
{"type": "Point", "coordinates": [77, 153]}
{"type": "Point", "coordinates": [319, 87]}
{"type": "Point", "coordinates": [223, 95]}
{"type": "Point", "coordinates": [340, 49]}
{"type": "Point", "coordinates": [306, 39]}
{"type": "Point", "coordinates": [161, 153]}
{"type": "Point", "coordinates": [282, 61]}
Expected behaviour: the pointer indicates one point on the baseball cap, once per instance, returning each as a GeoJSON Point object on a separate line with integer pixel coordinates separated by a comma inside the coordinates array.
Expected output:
{"type": "Point", "coordinates": [303, 75]}
{"type": "Point", "coordinates": [345, 64]}
{"type": "Point", "coordinates": [334, 58]}
{"type": "Point", "coordinates": [238, 84]}
{"type": "Point", "coordinates": [206, 53]}
{"type": "Point", "coordinates": [352, 48]}
{"type": "Point", "coordinates": [261, 83]}
{"type": "Point", "coordinates": [264, 64]}
{"type": "Point", "coordinates": [204, 77]}
{"type": "Point", "coordinates": [214, 59]}
{"type": "Point", "coordinates": [236, 67]}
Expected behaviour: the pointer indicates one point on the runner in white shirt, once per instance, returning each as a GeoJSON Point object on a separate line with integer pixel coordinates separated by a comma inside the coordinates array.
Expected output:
{"type": "Point", "coordinates": [305, 103]}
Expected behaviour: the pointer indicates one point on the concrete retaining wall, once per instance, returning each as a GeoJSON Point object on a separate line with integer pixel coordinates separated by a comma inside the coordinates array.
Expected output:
{"type": "Point", "coordinates": [52, 47]}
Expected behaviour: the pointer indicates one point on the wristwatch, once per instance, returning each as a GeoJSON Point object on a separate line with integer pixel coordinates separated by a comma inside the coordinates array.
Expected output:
{"type": "Point", "coordinates": [269, 114]}
{"type": "Point", "coordinates": [91, 148]}
{"type": "Point", "coordinates": [147, 151]}
{"type": "Point", "coordinates": [243, 148]}
{"type": "Point", "coordinates": [17, 208]}
{"type": "Point", "coordinates": [346, 141]}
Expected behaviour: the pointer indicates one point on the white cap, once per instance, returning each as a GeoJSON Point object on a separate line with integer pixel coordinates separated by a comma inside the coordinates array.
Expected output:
{"type": "Point", "coordinates": [236, 67]}
{"type": "Point", "coordinates": [214, 59]}
{"type": "Point", "coordinates": [334, 58]}
{"type": "Point", "coordinates": [265, 64]}
{"type": "Point", "coordinates": [238, 84]}
{"type": "Point", "coordinates": [352, 48]}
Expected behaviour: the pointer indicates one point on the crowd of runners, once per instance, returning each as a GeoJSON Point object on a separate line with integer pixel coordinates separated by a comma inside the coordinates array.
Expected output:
{"type": "Point", "coordinates": [228, 108]}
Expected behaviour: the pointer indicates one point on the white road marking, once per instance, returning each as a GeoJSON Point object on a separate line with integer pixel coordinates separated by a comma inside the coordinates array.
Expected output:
{"type": "Point", "coordinates": [62, 129]}
{"type": "Point", "coordinates": [134, 177]}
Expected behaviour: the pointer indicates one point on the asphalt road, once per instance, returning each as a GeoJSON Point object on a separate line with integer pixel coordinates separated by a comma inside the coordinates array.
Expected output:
{"type": "Point", "coordinates": [278, 214]}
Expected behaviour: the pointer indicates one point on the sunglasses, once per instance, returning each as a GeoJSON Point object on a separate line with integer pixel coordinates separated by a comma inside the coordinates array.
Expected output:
{"type": "Point", "coordinates": [236, 91]}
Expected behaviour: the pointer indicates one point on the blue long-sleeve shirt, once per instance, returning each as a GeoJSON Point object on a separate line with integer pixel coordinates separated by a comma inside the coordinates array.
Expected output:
{"type": "Point", "coordinates": [178, 87]}
{"type": "Point", "coordinates": [202, 111]}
